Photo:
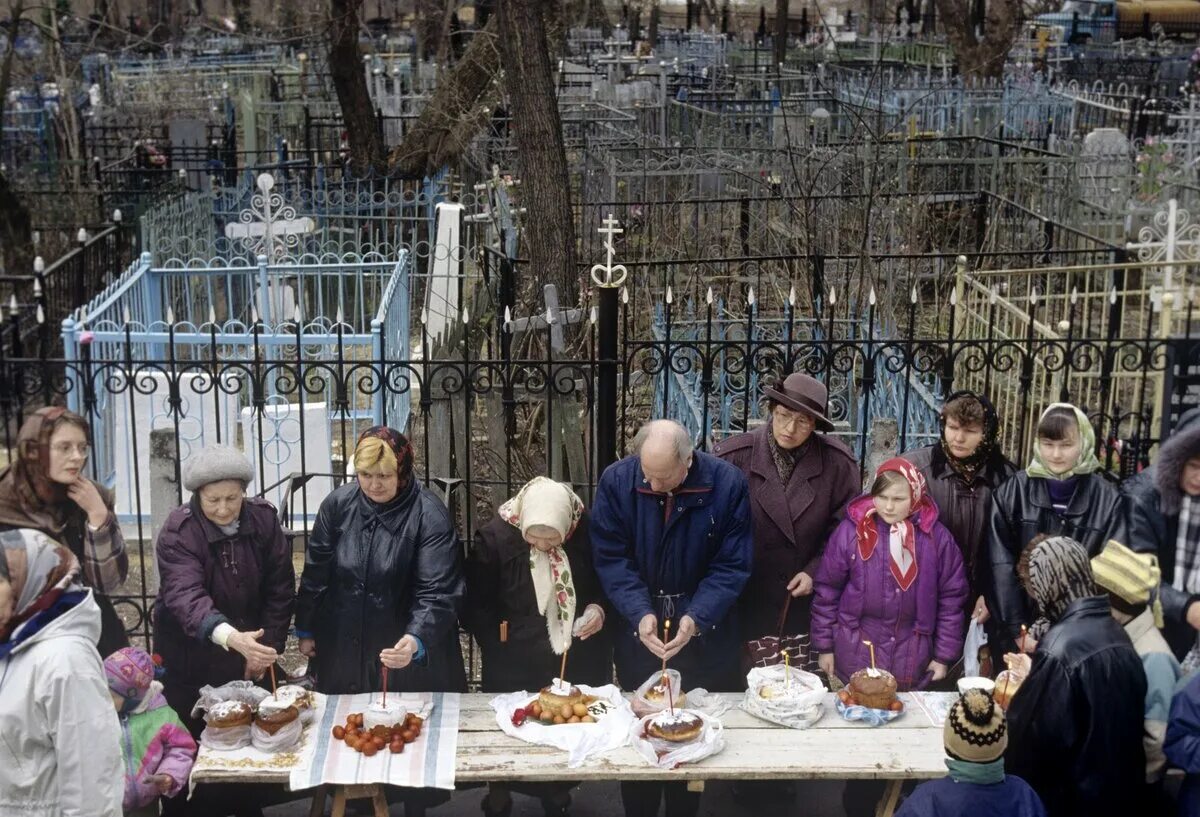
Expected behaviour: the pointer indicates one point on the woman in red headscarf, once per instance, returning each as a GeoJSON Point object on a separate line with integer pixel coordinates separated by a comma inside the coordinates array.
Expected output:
{"type": "Point", "coordinates": [383, 580]}
{"type": "Point", "coordinates": [47, 489]}
{"type": "Point", "coordinates": [892, 575]}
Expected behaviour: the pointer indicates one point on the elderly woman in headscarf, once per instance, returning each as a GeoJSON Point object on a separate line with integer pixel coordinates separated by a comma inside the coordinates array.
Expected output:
{"type": "Point", "coordinates": [46, 489]}
{"type": "Point", "coordinates": [382, 582]}
{"type": "Point", "coordinates": [962, 470]}
{"type": "Point", "coordinates": [1076, 721]}
{"type": "Point", "coordinates": [1062, 492]}
{"type": "Point", "coordinates": [60, 742]}
{"type": "Point", "coordinates": [533, 594]}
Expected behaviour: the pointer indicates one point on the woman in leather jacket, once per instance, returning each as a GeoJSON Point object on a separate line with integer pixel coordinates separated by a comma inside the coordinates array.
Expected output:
{"type": "Point", "coordinates": [383, 580]}
{"type": "Point", "coordinates": [1060, 493]}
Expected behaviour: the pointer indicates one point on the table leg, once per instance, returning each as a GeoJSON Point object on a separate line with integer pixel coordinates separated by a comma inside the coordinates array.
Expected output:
{"type": "Point", "coordinates": [339, 801]}
{"type": "Point", "coordinates": [891, 795]}
{"type": "Point", "coordinates": [379, 802]}
{"type": "Point", "coordinates": [318, 803]}
{"type": "Point", "coordinates": [696, 786]}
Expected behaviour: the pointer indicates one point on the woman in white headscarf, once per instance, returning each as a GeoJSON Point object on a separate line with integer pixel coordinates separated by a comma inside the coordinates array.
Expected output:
{"type": "Point", "coordinates": [531, 594]}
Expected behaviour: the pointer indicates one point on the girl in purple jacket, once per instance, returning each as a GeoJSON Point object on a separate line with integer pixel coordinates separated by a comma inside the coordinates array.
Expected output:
{"type": "Point", "coordinates": [892, 575]}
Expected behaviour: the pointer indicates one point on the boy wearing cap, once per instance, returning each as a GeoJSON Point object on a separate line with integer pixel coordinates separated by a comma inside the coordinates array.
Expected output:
{"type": "Point", "coordinates": [975, 735]}
{"type": "Point", "coordinates": [1132, 582]}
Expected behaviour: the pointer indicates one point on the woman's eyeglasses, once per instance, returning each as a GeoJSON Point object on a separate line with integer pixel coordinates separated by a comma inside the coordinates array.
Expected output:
{"type": "Point", "coordinates": [67, 448]}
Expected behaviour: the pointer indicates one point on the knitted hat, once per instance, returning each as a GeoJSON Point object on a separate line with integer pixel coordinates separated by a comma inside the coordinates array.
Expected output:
{"type": "Point", "coordinates": [129, 672]}
{"type": "Point", "coordinates": [214, 464]}
{"type": "Point", "coordinates": [1130, 577]}
{"type": "Point", "coordinates": [975, 729]}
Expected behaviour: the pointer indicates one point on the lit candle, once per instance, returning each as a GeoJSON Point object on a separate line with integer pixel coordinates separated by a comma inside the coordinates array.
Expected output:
{"type": "Point", "coordinates": [787, 670]}
{"type": "Point", "coordinates": [871, 647]}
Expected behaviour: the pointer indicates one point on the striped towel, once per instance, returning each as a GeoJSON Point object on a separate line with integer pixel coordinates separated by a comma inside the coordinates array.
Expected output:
{"type": "Point", "coordinates": [426, 763]}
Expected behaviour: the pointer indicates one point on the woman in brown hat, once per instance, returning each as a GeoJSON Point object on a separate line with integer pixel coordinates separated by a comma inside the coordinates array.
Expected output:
{"type": "Point", "coordinates": [799, 482]}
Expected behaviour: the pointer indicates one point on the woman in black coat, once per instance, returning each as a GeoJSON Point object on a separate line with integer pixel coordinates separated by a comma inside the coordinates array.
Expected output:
{"type": "Point", "coordinates": [382, 582]}
{"type": "Point", "coordinates": [532, 593]}
{"type": "Point", "coordinates": [1062, 492]}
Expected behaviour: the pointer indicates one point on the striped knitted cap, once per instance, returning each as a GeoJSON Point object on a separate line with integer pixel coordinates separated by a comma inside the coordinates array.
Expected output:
{"type": "Point", "coordinates": [975, 729]}
{"type": "Point", "coordinates": [1131, 577]}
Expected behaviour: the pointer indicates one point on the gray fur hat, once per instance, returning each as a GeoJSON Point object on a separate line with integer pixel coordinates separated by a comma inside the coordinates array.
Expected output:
{"type": "Point", "coordinates": [215, 463]}
{"type": "Point", "coordinates": [1181, 446]}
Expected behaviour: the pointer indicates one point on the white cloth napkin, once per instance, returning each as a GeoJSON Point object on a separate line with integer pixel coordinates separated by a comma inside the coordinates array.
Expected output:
{"type": "Point", "coordinates": [581, 741]}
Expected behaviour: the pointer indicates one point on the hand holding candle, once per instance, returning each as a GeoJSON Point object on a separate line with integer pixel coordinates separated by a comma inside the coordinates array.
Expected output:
{"type": "Point", "coordinates": [666, 638]}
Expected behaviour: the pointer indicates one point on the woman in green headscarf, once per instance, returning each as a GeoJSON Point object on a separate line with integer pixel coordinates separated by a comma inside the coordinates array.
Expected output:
{"type": "Point", "coordinates": [1061, 493]}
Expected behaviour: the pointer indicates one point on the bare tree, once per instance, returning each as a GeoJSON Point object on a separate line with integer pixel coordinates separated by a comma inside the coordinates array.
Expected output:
{"type": "Point", "coordinates": [350, 82]}
{"type": "Point", "coordinates": [781, 31]}
{"type": "Point", "coordinates": [460, 107]}
{"type": "Point", "coordinates": [549, 233]}
{"type": "Point", "coordinates": [981, 57]}
{"type": "Point", "coordinates": [15, 230]}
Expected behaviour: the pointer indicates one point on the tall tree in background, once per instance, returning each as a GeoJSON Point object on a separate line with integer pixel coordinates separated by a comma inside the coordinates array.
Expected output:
{"type": "Point", "coordinates": [350, 82]}
{"type": "Point", "coordinates": [16, 236]}
{"type": "Point", "coordinates": [549, 230]}
{"type": "Point", "coordinates": [981, 57]}
{"type": "Point", "coordinates": [781, 32]}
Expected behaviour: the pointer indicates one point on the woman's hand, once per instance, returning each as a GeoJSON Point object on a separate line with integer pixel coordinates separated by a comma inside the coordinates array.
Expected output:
{"type": "Point", "coordinates": [401, 655]}
{"type": "Point", "coordinates": [1018, 662]}
{"type": "Point", "coordinates": [589, 623]}
{"type": "Point", "coordinates": [825, 662]}
{"type": "Point", "coordinates": [800, 585]}
{"type": "Point", "coordinates": [308, 647]}
{"type": "Point", "coordinates": [980, 612]}
{"type": "Point", "coordinates": [937, 670]}
{"type": "Point", "coordinates": [259, 657]}
{"type": "Point", "coordinates": [163, 782]}
{"type": "Point", "coordinates": [83, 493]}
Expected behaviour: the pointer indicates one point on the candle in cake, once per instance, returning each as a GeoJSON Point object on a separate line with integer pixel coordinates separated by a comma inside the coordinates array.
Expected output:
{"type": "Point", "coordinates": [562, 667]}
{"type": "Point", "coordinates": [873, 672]}
{"type": "Point", "coordinates": [666, 638]}
{"type": "Point", "coordinates": [383, 671]}
{"type": "Point", "coordinates": [273, 687]}
{"type": "Point", "coordinates": [787, 670]}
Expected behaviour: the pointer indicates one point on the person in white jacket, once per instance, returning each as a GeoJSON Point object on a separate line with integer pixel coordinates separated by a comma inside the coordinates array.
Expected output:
{"type": "Point", "coordinates": [60, 741]}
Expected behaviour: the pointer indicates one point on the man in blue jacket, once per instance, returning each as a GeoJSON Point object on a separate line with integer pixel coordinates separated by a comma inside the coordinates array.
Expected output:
{"type": "Point", "coordinates": [670, 531]}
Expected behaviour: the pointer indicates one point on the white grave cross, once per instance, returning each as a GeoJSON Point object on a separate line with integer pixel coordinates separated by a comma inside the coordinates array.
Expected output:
{"type": "Point", "coordinates": [608, 270]}
{"type": "Point", "coordinates": [1171, 237]}
{"type": "Point", "coordinates": [269, 227]}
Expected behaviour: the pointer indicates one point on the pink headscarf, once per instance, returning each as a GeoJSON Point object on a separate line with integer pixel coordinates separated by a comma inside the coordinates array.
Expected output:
{"type": "Point", "coordinates": [902, 534]}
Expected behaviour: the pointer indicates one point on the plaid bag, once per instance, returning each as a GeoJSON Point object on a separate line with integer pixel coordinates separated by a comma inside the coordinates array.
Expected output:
{"type": "Point", "coordinates": [770, 649]}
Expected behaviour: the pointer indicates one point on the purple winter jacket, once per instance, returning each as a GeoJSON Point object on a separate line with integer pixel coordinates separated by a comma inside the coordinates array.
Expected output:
{"type": "Point", "coordinates": [856, 600]}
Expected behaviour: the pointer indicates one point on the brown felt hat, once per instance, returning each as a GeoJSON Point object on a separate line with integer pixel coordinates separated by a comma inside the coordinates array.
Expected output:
{"type": "Point", "coordinates": [799, 392]}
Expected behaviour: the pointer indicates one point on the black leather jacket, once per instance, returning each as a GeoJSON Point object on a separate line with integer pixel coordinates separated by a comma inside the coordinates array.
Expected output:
{"type": "Point", "coordinates": [1021, 509]}
{"type": "Point", "coordinates": [373, 574]}
{"type": "Point", "coordinates": [1075, 725]}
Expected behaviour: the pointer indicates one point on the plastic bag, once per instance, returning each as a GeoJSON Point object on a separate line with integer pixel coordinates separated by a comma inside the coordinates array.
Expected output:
{"type": "Point", "coordinates": [225, 738]}
{"type": "Point", "coordinates": [976, 640]}
{"type": "Point", "coordinates": [283, 740]}
{"type": "Point", "coordinates": [247, 692]}
{"type": "Point", "coordinates": [666, 754]}
{"type": "Point", "coordinates": [795, 700]}
{"type": "Point", "coordinates": [643, 704]}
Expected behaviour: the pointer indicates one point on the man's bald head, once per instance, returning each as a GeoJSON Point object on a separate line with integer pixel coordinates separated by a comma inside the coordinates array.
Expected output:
{"type": "Point", "coordinates": [665, 450]}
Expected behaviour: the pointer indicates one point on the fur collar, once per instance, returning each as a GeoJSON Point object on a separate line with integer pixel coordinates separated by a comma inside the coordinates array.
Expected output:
{"type": "Point", "coordinates": [1183, 444]}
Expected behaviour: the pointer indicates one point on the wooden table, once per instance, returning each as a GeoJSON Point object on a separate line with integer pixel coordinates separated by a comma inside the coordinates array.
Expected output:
{"type": "Point", "coordinates": [834, 749]}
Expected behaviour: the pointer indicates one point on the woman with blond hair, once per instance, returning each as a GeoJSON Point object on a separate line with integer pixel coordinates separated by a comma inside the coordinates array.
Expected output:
{"type": "Point", "coordinates": [382, 582]}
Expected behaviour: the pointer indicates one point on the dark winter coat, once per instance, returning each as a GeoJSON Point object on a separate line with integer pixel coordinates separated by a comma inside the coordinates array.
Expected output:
{"type": "Point", "coordinates": [500, 588]}
{"type": "Point", "coordinates": [1021, 509]}
{"type": "Point", "coordinates": [944, 797]}
{"type": "Point", "coordinates": [964, 508]}
{"type": "Point", "coordinates": [684, 553]}
{"type": "Point", "coordinates": [1152, 500]}
{"type": "Point", "coordinates": [1075, 725]}
{"type": "Point", "coordinates": [790, 522]}
{"type": "Point", "coordinates": [373, 574]}
{"type": "Point", "coordinates": [246, 580]}
{"type": "Point", "coordinates": [1182, 745]}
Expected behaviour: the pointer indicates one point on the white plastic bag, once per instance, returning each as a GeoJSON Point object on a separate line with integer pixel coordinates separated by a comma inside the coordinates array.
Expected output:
{"type": "Point", "coordinates": [581, 741]}
{"type": "Point", "coordinates": [800, 705]}
{"type": "Point", "coordinates": [247, 692]}
{"type": "Point", "coordinates": [976, 638]}
{"type": "Point", "coordinates": [283, 740]}
{"type": "Point", "coordinates": [225, 738]}
{"type": "Point", "coordinates": [644, 705]}
{"type": "Point", "coordinates": [666, 754]}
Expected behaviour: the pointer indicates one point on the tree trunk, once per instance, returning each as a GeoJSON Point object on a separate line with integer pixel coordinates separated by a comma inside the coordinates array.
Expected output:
{"type": "Point", "coordinates": [779, 52]}
{"type": "Point", "coordinates": [242, 16]}
{"type": "Point", "coordinates": [457, 112]}
{"type": "Point", "coordinates": [980, 57]}
{"type": "Point", "coordinates": [549, 228]}
{"type": "Point", "coordinates": [431, 16]}
{"type": "Point", "coordinates": [597, 17]}
{"type": "Point", "coordinates": [350, 82]}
